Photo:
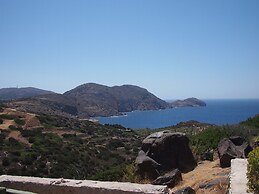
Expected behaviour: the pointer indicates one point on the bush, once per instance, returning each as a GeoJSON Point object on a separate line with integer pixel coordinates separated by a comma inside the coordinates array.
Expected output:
{"type": "Point", "coordinates": [7, 117]}
{"type": "Point", "coordinates": [253, 171]}
{"type": "Point", "coordinates": [31, 133]}
{"type": "Point", "coordinates": [208, 139]}
{"type": "Point", "coordinates": [13, 142]}
{"type": "Point", "coordinates": [6, 161]}
{"type": "Point", "coordinates": [252, 121]}
{"type": "Point", "coordinates": [19, 121]}
{"type": "Point", "coordinates": [114, 173]}
{"type": "Point", "coordinates": [130, 174]}
{"type": "Point", "coordinates": [12, 127]}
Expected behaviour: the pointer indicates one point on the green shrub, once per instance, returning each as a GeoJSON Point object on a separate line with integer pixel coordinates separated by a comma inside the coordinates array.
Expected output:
{"type": "Point", "coordinates": [8, 117]}
{"type": "Point", "coordinates": [253, 171]}
{"type": "Point", "coordinates": [130, 174]}
{"type": "Point", "coordinates": [207, 139]}
{"type": "Point", "coordinates": [252, 122]}
{"type": "Point", "coordinates": [13, 142]}
{"type": "Point", "coordinates": [12, 127]}
{"type": "Point", "coordinates": [6, 161]}
{"type": "Point", "coordinates": [19, 121]}
{"type": "Point", "coordinates": [114, 173]}
{"type": "Point", "coordinates": [31, 133]}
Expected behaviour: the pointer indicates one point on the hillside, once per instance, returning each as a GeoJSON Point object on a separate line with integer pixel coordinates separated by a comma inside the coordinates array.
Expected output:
{"type": "Point", "coordinates": [53, 146]}
{"type": "Point", "coordinates": [18, 93]}
{"type": "Point", "coordinates": [90, 100]}
{"type": "Point", "coordinates": [51, 104]}
{"type": "Point", "coordinates": [98, 100]}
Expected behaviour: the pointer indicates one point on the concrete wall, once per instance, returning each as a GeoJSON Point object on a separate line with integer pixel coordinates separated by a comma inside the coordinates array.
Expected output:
{"type": "Point", "coordinates": [68, 186]}
{"type": "Point", "coordinates": [238, 178]}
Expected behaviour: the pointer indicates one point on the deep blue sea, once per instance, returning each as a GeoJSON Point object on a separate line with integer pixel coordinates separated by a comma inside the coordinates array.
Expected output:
{"type": "Point", "coordinates": [218, 112]}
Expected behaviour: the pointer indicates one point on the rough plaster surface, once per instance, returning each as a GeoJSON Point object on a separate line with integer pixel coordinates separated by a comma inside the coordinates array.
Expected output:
{"type": "Point", "coordinates": [238, 178]}
{"type": "Point", "coordinates": [69, 186]}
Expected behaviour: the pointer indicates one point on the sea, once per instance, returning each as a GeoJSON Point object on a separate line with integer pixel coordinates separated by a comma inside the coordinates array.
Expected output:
{"type": "Point", "coordinates": [219, 112]}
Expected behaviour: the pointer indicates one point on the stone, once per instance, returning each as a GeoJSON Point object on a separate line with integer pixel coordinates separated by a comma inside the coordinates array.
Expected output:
{"type": "Point", "coordinates": [213, 183]}
{"type": "Point", "coordinates": [170, 179]}
{"type": "Point", "coordinates": [171, 150]}
{"type": "Point", "coordinates": [230, 148]}
{"type": "Point", "coordinates": [185, 190]}
{"type": "Point", "coordinates": [147, 168]}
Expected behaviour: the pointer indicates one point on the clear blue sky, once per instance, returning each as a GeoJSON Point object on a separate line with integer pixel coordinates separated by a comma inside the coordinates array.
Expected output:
{"type": "Point", "coordinates": [174, 48]}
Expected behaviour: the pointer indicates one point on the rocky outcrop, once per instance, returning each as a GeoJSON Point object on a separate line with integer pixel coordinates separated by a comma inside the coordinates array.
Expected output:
{"type": "Point", "coordinates": [170, 179]}
{"type": "Point", "coordinates": [170, 150]}
{"type": "Point", "coordinates": [233, 147]}
{"type": "Point", "coordinates": [185, 190]}
{"type": "Point", "coordinates": [147, 167]}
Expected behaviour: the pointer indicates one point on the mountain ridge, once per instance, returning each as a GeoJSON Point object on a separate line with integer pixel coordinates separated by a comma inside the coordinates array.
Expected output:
{"type": "Point", "coordinates": [93, 100]}
{"type": "Point", "coordinates": [24, 92]}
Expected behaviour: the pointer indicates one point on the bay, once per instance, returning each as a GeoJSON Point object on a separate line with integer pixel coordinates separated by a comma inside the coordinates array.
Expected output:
{"type": "Point", "coordinates": [217, 112]}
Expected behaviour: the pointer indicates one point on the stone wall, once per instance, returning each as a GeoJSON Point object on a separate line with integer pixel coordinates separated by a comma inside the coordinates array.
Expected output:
{"type": "Point", "coordinates": [68, 186]}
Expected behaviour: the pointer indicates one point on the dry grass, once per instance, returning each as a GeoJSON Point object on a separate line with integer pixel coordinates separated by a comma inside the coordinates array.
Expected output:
{"type": "Point", "coordinates": [207, 177]}
{"type": "Point", "coordinates": [17, 135]}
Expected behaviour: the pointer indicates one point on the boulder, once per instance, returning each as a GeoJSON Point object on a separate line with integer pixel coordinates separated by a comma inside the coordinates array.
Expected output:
{"type": "Point", "coordinates": [171, 150]}
{"type": "Point", "coordinates": [147, 168]}
{"type": "Point", "coordinates": [170, 179]}
{"type": "Point", "coordinates": [230, 148]}
{"type": "Point", "coordinates": [216, 182]}
{"type": "Point", "coordinates": [185, 190]}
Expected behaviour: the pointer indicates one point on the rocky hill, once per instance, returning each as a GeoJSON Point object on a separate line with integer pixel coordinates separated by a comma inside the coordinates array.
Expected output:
{"type": "Point", "coordinates": [98, 100]}
{"type": "Point", "coordinates": [189, 102]}
{"type": "Point", "coordinates": [90, 100]}
{"type": "Point", "coordinates": [18, 93]}
{"type": "Point", "coordinates": [51, 104]}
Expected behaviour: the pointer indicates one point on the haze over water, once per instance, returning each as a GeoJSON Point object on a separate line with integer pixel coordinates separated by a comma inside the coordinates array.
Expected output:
{"type": "Point", "coordinates": [218, 112]}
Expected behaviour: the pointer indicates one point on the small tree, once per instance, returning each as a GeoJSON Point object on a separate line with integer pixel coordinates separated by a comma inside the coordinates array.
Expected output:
{"type": "Point", "coordinates": [253, 171]}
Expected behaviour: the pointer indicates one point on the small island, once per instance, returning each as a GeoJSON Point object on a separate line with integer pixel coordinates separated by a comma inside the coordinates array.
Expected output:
{"type": "Point", "coordinates": [189, 102]}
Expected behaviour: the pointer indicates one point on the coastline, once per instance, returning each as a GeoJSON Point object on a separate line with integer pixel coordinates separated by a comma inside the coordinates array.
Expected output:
{"type": "Point", "coordinates": [218, 112]}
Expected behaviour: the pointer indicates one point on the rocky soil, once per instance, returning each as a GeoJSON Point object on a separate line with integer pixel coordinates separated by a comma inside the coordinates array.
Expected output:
{"type": "Point", "coordinates": [207, 177]}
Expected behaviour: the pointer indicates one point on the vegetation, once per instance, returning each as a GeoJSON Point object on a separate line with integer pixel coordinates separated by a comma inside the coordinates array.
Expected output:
{"type": "Point", "coordinates": [1, 107]}
{"type": "Point", "coordinates": [7, 117]}
{"type": "Point", "coordinates": [19, 121]}
{"type": "Point", "coordinates": [208, 139]}
{"type": "Point", "coordinates": [252, 122]}
{"type": "Point", "coordinates": [72, 149]}
{"type": "Point", "coordinates": [79, 149]}
{"type": "Point", "coordinates": [253, 171]}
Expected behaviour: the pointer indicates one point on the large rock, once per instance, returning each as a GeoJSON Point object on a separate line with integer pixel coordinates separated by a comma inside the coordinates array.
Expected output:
{"type": "Point", "coordinates": [147, 168]}
{"type": "Point", "coordinates": [230, 148]}
{"type": "Point", "coordinates": [185, 190]}
{"type": "Point", "coordinates": [170, 179]}
{"type": "Point", "coordinates": [171, 150]}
